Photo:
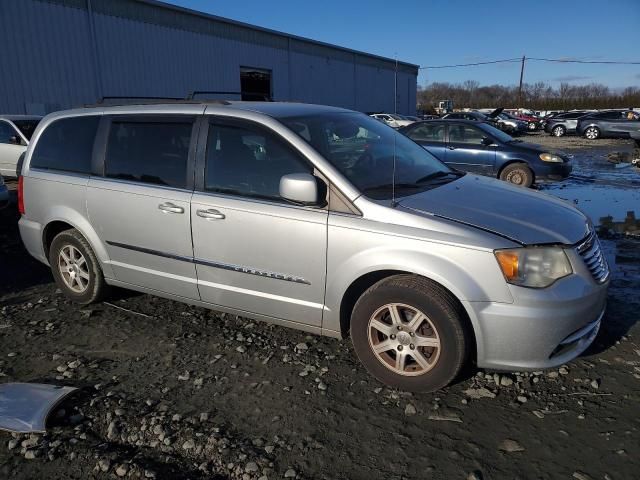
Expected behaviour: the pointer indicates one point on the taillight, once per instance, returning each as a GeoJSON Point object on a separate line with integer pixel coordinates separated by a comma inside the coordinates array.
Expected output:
{"type": "Point", "coordinates": [21, 195]}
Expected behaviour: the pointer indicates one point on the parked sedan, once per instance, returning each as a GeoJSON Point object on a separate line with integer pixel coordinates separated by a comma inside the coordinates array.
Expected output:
{"type": "Point", "coordinates": [473, 116]}
{"type": "Point", "coordinates": [480, 148]}
{"type": "Point", "coordinates": [392, 119]}
{"type": "Point", "coordinates": [4, 194]}
{"type": "Point", "coordinates": [563, 123]}
{"type": "Point", "coordinates": [610, 124]}
{"type": "Point", "coordinates": [15, 133]}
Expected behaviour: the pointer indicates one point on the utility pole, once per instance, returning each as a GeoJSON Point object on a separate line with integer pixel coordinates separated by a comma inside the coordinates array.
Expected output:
{"type": "Point", "coordinates": [521, 77]}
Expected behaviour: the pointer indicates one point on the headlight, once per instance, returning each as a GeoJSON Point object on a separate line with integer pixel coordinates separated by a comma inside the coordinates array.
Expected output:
{"type": "Point", "coordinates": [550, 157]}
{"type": "Point", "coordinates": [535, 267]}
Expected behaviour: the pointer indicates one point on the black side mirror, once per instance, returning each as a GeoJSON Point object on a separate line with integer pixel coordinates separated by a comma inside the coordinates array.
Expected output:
{"type": "Point", "coordinates": [486, 141]}
{"type": "Point", "coordinates": [14, 139]}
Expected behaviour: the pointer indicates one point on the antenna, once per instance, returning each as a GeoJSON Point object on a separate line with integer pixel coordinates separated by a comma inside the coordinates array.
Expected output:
{"type": "Point", "coordinates": [393, 177]}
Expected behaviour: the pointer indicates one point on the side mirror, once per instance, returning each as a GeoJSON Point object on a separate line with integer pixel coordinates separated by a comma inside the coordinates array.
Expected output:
{"type": "Point", "coordinates": [486, 141]}
{"type": "Point", "coordinates": [15, 140]}
{"type": "Point", "coordinates": [300, 188]}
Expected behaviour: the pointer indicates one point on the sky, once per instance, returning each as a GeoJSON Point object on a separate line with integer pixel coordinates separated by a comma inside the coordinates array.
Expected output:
{"type": "Point", "coordinates": [444, 32]}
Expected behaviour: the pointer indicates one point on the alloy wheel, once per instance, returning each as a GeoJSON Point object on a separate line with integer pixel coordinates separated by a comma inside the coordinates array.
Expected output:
{"type": "Point", "coordinates": [404, 340]}
{"type": "Point", "coordinates": [558, 131]}
{"type": "Point", "coordinates": [592, 133]}
{"type": "Point", "coordinates": [73, 268]}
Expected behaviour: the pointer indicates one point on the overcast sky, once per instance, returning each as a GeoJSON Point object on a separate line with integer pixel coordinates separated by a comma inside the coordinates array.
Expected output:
{"type": "Point", "coordinates": [442, 32]}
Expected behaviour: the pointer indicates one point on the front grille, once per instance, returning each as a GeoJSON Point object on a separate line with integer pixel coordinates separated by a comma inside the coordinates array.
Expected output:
{"type": "Point", "coordinates": [591, 253]}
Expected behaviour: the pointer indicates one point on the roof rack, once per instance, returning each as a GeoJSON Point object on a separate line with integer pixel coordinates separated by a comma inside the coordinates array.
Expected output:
{"type": "Point", "coordinates": [258, 95]}
{"type": "Point", "coordinates": [115, 101]}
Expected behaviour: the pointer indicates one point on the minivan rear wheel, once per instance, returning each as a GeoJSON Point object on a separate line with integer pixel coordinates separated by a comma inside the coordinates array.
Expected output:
{"type": "Point", "coordinates": [75, 268]}
{"type": "Point", "coordinates": [409, 333]}
{"type": "Point", "coordinates": [518, 174]}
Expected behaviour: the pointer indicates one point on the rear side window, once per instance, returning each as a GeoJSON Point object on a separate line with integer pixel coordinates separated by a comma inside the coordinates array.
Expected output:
{"type": "Point", "coordinates": [427, 132]}
{"type": "Point", "coordinates": [66, 145]}
{"type": "Point", "coordinates": [154, 152]}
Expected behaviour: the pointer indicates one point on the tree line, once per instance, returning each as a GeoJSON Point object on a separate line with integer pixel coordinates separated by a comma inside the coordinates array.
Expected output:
{"type": "Point", "coordinates": [537, 96]}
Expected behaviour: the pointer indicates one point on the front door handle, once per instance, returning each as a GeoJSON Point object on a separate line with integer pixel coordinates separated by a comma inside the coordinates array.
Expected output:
{"type": "Point", "coordinates": [170, 208]}
{"type": "Point", "coordinates": [211, 214]}
{"type": "Point", "coordinates": [451, 148]}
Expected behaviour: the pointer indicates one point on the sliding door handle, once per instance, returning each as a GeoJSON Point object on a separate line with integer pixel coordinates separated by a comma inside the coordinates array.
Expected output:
{"type": "Point", "coordinates": [210, 214]}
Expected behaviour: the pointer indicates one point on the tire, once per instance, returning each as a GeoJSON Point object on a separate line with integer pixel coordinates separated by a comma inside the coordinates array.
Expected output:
{"type": "Point", "coordinates": [76, 269]}
{"type": "Point", "coordinates": [517, 174]}
{"type": "Point", "coordinates": [441, 330]}
{"type": "Point", "coordinates": [592, 133]}
{"type": "Point", "coordinates": [558, 131]}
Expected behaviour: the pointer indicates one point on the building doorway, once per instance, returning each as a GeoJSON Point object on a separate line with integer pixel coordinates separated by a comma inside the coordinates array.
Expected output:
{"type": "Point", "coordinates": [255, 84]}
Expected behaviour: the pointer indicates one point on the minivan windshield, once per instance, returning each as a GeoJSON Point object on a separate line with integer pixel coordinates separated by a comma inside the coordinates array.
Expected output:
{"type": "Point", "coordinates": [363, 150]}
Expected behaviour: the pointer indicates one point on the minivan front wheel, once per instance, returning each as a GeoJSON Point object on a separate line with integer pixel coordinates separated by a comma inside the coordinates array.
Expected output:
{"type": "Point", "coordinates": [410, 334]}
{"type": "Point", "coordinates": [75, 268]}
{"type": "Point", "coordinates": [518, 174]}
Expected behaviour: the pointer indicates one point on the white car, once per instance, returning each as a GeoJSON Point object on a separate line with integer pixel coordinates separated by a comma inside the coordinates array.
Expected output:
{"type": "Point", "coordinates": [15, 133]}
{"type": "Point", "coordinates": [393, 119]}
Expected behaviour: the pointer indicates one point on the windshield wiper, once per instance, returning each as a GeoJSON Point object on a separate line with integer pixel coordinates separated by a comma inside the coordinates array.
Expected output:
{"type": "Point", "coordinates": [438, 174]}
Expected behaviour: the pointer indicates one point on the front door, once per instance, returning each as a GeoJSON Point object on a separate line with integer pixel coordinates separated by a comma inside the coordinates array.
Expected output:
{"type": "Point", "coordinates": [141, 205]}
{"type": "Point", "coordinates": [466, 150]}
{"type": "Point", "coordinates": [255, 252]}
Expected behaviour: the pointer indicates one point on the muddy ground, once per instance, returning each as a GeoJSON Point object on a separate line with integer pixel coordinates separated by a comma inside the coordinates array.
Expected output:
{"type": "Point", "coordinates": [169, 391]}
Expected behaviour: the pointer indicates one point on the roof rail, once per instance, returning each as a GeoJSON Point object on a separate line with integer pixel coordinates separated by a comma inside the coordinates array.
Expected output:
{"type": "Point", "coordinates": [258, 95]}
{"type": "Point", "coordinates": [115, 101]}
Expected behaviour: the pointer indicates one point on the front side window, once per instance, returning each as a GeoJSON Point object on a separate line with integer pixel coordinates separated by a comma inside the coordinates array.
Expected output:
{"type": "Point", "coordinates": [427, 132]}
{"type": "Point", "coordinates": [365, 152]}
{"type": "Point", "coordinates": [153, 152]}
{"type": "Point", "coordinates": [465, 134]}
{"type": "Point", "coordinates": [7, 132]}
{"type": "Point", "coordinates": [66, 145]}
{"type": "Point", "coordinates": [247, 160]}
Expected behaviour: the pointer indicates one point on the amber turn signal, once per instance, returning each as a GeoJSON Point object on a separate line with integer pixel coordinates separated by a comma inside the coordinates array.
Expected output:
{"type": "Point", "coordinates": [508, 261]}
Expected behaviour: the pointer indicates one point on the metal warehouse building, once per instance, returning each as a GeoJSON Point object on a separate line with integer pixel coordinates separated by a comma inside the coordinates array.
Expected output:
{"type": "Point", "coordinates": [63, 53]}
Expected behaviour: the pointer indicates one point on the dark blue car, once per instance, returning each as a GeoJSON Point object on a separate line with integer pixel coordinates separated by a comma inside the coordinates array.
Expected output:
{"type": "Point", "coordinates": [477, 147]}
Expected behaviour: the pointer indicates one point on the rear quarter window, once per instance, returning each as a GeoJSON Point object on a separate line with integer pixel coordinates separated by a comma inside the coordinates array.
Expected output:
{"type": "Point", "coordinates": [66, 145]}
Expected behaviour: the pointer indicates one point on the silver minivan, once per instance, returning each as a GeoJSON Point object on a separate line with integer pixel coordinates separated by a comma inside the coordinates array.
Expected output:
{"type": "Point", "coordinates": [316, 218]}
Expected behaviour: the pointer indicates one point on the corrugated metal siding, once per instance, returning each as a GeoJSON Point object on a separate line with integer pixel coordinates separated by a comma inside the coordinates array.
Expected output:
{"type": "Point", "coordinates": [54, 63]}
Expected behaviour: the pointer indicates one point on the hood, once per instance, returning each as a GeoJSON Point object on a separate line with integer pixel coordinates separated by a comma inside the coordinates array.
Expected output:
{"type": "Point", "coordinates": [519, 214]}
{"type": "Point", "coordinates": [496, 112]}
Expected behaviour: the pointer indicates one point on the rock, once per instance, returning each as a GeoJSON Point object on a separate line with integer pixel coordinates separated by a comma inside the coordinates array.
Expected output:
{"type": "Point", "coordinates": [322, 386]}
{"type": "Point", "coordinates": [13, 443]}
{"type": "Point", "coordinates": [477, 393]}
{"type": "Point", "coordinates": [563, 371]}
{"type": "Point", "coordinates": [474, 476]}
{"type": "Point", "coordinates": [595, 384]}
{"type": "Point", "coordinates": [446, 418]}
{"type": "Point", "coordinates": [302, 347]}
{"type": "Point", "coordinates": [506, 381]}
{"type": "Point", "coordinates": [122, 470]}
{"type": "Point", "coordinates": [291, 473]}
{"type": "Point", "coordinates": [522, 399]}
{"type": "Point", "coordinates": [510, 446]}
{"type": "Point", "coordinates": [251, 467]}
{"type": "Point", "coordinates": [410, 410]}
{"type": "Point", "coordinates": [31, 454]}
{"type": "Point", "coordinates": [553, 374]}
{"type": "Point", "coordinates": [581, 476]}
{"type": "Point", "coordinates": [104, 465]}
{"type": "Point", "coordinates": [113, 431]}
{"type": "Point", "coordinates": [241, 349]}
{"type": "Point", "coordinates": [188, 445]}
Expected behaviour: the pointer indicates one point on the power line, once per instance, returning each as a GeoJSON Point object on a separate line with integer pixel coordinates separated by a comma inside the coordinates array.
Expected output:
{"type": "Point", "coordinates": [514, 60]}
{"type": "Point", "coordinates": [562, 60]}
{"type": "Point", "coordinates": [472, 64]}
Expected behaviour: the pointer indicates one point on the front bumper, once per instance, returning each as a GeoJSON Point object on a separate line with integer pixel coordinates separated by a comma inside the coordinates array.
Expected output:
{"type": "Point", "coordinates": [552, 171]}
{"type": "Point", "coordinates": [542, 328]}
{"type": "Point", "coordinates": [4, 196]}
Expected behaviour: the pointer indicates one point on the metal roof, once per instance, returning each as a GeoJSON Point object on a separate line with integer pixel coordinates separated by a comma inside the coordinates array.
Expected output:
{"type": "Point", "coordinates": [173, 16]}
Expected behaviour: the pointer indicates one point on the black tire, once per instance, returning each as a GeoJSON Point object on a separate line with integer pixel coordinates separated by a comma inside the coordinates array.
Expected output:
{"type": "Point", "coordinates": [592, 133]}
{"type": "Point", "coordinates": [517, 174]}
{"type": "Point", "coordinates": [558, 131]}
{"type": "Point", "coordinates": [441, 309]}
{"type": "Point", "coordinates": [96, 288]}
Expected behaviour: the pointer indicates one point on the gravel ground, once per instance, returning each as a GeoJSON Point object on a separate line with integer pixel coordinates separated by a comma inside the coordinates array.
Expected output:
{"type": "Point", "coordinates": [170, 391]}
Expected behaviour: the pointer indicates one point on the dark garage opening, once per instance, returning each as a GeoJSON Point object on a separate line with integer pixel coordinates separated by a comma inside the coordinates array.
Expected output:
{"type": "Point", "coordinates": [255, 84]}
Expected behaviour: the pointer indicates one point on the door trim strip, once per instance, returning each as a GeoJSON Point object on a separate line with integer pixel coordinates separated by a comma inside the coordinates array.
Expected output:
{"type": "Point", "coordinates": [223, 266]}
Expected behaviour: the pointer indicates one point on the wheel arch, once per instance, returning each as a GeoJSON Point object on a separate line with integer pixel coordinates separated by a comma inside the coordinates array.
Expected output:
{"type": "Point", "coordinates": [64, 218]}
{"type": "Point", "coordinates": [367, 280]}
{"type": "Point", "coordinates": [512, 162]}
